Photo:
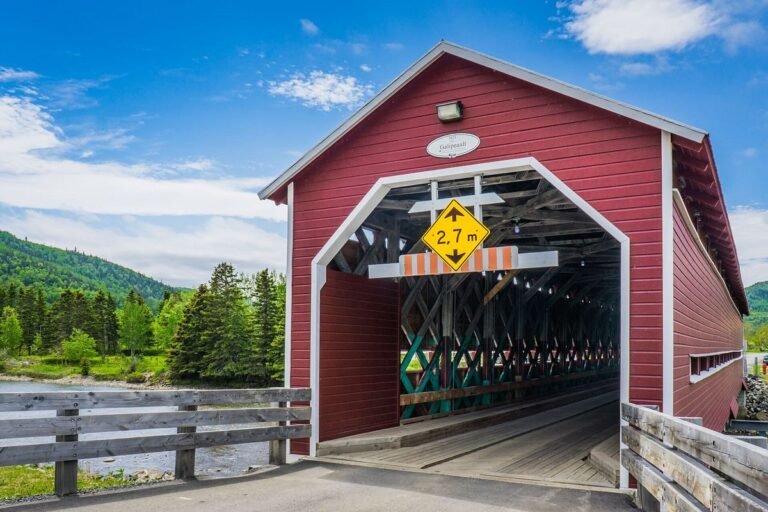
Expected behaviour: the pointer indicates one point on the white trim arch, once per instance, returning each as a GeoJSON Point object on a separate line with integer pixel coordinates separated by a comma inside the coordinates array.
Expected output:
{"type": "Point", "coordinates": [380, 189]}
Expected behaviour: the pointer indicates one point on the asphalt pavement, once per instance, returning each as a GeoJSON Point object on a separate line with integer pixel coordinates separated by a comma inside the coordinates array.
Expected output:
{"type": "Point", "coordinates": [313, 486]}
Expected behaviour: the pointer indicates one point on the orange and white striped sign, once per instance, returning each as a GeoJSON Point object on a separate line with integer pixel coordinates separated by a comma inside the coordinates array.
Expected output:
{"type": "Point", "coordinates": [489, 258]}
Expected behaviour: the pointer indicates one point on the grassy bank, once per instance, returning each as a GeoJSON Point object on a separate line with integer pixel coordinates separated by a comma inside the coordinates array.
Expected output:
{"type": "Point", "coordinates": [22, 481]}
{"type": "Point", "coordinates": [149, 369]}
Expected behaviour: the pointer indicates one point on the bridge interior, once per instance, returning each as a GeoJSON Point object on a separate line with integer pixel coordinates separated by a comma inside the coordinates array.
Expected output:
{"type": "Point", "coordinates": [475, 342]}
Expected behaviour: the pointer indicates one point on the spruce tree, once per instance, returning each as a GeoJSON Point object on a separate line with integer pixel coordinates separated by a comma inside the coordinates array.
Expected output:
{"type": "Point", "coordinates": [231, 353]}
{"type": "Point", "coordinates": [264, 312]}
{"type": "Point", "coordinates": [189, 344]}
{"type": "Point", "coordinates": [276, 351]}
{"type": "Point", "coordinates": [105, 324]}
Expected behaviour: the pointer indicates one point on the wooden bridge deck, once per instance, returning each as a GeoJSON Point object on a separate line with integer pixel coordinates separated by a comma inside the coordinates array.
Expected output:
{"type": "Point", "coordinates": [551, 446]}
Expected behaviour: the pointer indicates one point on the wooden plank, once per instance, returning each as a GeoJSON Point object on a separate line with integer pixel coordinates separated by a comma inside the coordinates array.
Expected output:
{"type": "Point", "coordinates": [710, 489]}
{"type": "Point", "coordinates": [65, 471]}
{"type": "Point", "coordinates": [667, 492]}
{"type": "Point", "coordinates": [741, 461]}
{"type": "Point", "coordinates": [499, 286]}
{"type": "Point", "coordinates": [53, 452]}
{"type": "Point", "coordinates": [32, 427]}
{"type": "Point", "coordinates": [116, 399]}
{"type": "Point", "coordinates": [185, 459]}
{"type": "Point", "coordinates": [432, 396]}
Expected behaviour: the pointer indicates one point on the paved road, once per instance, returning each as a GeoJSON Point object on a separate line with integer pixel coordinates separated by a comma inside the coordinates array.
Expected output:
{"type": "Point", "coordinates": [314, 486]}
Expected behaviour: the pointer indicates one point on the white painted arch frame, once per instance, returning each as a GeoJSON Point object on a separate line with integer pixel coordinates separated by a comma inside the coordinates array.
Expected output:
{"type": "Point", "coordinates": [372, 199]}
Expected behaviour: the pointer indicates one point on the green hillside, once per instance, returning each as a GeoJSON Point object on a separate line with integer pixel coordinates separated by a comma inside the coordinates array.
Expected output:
{"type": "Point", "coordinates": [757, 296]}
{"type": "Point", "coordinates": [53, 270]}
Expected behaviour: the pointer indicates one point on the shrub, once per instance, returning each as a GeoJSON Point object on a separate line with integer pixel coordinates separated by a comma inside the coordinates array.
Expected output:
{"type": "Point", "coordinates": [78, 346]}
{"type": "Point", "coordinates": [135, 378]}
{"type": "Point", "coordinates": [85, 367]}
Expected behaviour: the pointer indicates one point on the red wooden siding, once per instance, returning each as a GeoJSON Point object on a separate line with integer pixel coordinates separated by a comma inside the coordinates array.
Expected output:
{"type": "Point", "coordinates": [705, 321]}
{"type": "Point", "coordinates": [612, 162]}
{"type": "Point", "coordinates": [359, 355]}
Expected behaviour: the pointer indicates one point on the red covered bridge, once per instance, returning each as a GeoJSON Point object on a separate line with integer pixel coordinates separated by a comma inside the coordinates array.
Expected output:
{"type": "Point", "coordinates": [625, 279]}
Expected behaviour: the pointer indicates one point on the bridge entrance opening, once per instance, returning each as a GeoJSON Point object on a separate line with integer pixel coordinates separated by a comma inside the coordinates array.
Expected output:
{"type": "Point", "coordinates": [505, 368]}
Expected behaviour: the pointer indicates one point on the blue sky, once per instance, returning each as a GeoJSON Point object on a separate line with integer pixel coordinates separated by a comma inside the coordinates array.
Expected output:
{"type": "Point", "coordinates": [141, 131]}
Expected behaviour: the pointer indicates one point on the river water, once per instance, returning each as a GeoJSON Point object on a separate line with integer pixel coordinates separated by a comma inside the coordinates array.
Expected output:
{"type": "Point", "coordinates": [216, 461]}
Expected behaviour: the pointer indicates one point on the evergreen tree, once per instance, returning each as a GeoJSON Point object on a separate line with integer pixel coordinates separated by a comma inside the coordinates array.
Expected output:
{"type": "Point", "coordinates": [69, 312]}
{"type": "Point", "coordinates": [41, 318]}
{"type": "Point", "coordinates": [276, 353]}
{"type": "Point", "coordinates": [135, 324]}
{"type": "Point", "coordinates": [264, 304]}
{"type": "Point", "coordinates": [190, 343]}
{"type": "Point", "coordinates": [27, 317]}
{"type": "Point", "coordinates": [105, 324]}
{"type": "Point", "coordinates": [230, 330]}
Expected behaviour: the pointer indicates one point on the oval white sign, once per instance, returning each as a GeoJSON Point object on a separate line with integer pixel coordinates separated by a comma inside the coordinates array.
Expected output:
{"type": "Point", "coordinates": [453, 145]}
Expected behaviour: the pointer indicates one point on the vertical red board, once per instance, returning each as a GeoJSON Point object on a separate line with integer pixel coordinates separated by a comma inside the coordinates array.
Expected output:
{"type": "Point", "coordinates": [706, 321]}
{"type": "Point", "coordinates": [359, 355]}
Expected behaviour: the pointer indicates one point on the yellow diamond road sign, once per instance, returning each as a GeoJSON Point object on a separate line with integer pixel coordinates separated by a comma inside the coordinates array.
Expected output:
{"type": "Point", "coordinates": [455, 234]}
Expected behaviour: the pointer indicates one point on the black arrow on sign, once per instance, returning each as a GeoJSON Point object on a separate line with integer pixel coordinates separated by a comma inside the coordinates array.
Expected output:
{"type": "Point", "coordinates": [455, 257]}
{"type": "Point", "coordinates": [454, 213]}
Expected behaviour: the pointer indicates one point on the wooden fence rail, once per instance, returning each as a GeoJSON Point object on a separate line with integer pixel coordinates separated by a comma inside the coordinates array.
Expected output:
{"type": "Point", "coordinates": [687, 467]}
{"type": "Point", "coordinates": [69, 423]}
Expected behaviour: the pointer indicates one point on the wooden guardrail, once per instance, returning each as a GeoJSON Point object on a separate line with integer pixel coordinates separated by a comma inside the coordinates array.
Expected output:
{"type": "Point", "coordinates": [687, 467]}
{"type": "Point", "coordinates": [69, 423]}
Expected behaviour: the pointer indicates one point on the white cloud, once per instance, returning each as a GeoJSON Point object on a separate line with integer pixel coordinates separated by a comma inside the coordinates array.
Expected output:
{"type": "Point", "coordinates": [394, 46]}
{"type": "Point", "coordinates": [603, 84]}
{"type": "Point", "coordinates": [73, 94]}
{"type": "Point", "coordinates": [309, 27]}
{"type": "Point", "coordinates": [34, 174]}
{"type": "Point", "coordinates": [358, 48]}
{"type": "Point", "coordinates": [181, 257]}
{"type": "Point", "coordinates": [116, 138]}
{"type": "Point", "coordinates": [198, 165]}
{"type": "Point", "coordinates": [741, 34]}
{"type": "Point", "coordinates": [749, 152]}
{"type": "Point", "coordinates": [322, 90]}
{"type": "Point", "coordinates": [17, 75]}
{"type": "Point", "coordinates": [631, 27]}
{"type": "Point", "coordinates": [641, 68]}
{"type": "Point", "coordinates": [750, 230]}
{"type": "Point", "coordinates": [365, 67]}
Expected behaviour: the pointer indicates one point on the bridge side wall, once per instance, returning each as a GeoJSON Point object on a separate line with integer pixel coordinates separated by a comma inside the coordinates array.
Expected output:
{"type": "Point", "coordinates": [705, 321]}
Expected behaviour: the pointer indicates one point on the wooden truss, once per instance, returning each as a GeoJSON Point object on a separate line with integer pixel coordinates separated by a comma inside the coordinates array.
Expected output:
{"type": "Point", "coordinates": [476, 339]}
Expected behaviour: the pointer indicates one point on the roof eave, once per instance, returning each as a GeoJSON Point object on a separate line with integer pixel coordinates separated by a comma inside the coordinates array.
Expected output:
{"type": "Point", "coordinates": [444, 47]}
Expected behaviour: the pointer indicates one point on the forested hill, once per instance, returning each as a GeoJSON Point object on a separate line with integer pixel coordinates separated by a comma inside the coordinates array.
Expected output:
{"type": "Point", "coordinates": [53, 270]}
{"type": "Point", "coordinates": [757, 296]}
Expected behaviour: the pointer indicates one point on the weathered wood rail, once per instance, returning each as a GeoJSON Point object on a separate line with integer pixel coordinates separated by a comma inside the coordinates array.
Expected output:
{"type": "Point", "coordinates": [68, 424]}
{"type": "Point", "coordinates": [682, 466]}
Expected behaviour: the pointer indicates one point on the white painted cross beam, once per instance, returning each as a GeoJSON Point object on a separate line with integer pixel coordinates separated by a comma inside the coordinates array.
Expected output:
{"type": "Point", "coordinates": [473, 200]}
{"type": "Point", "coordinates": [487, 259]}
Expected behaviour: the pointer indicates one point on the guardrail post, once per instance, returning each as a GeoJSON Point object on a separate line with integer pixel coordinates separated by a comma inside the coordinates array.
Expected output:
{"type": "Point", "coordinates": [277, 447]}
{"type": "Point", "coordinates": [185, 459]}
{"type": "Point", "coordinates": [65, 472]}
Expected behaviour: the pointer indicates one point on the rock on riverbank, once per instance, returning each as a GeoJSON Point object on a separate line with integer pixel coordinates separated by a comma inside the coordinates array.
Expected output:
{"type": "Point", "coordinates": [757, 398]}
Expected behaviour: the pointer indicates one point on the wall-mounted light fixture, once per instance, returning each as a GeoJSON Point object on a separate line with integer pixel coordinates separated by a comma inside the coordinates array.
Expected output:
{"type": "Point", "coordinates": [450, 111]}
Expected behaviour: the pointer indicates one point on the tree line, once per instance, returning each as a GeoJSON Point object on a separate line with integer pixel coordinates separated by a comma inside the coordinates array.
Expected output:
{"type": "Point", "coordinates": [230, 329]}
